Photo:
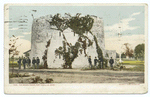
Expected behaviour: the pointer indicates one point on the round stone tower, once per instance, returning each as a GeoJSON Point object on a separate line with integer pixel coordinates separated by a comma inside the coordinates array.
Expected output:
{"type": "Point", "coordinates": [42, 31]}
{"type": "Point", "coordinates": [39, 37]}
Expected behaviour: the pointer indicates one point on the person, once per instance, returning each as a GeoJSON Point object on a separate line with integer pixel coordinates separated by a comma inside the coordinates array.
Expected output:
{"type": "Point", "coordinates": [24, 62]}
{"type": "Point", "coordinates": [28, 61]}
{"type": "Point", "coordinates": [101, 62]}
{"type": "Point", "coordinates": [37, 62]}
{"type": "Point", "coordinates": [111, 61]}
{"type": "Point", "coordinates": [90, 62]}
{"type": "Point", "coordinates": [95, 62]}
{"type": "Point", "coordinates": [19, 63]}
{"type": "Point", "coordinates": [33, 62]}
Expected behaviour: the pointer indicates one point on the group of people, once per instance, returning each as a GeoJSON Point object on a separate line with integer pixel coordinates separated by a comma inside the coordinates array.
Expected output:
{"type": "Point", "coordinates": [100, 61]}
{"type": "Point", "coordinates": [37, 62]}
{"type": "Point", "coordinates": [27, 61]}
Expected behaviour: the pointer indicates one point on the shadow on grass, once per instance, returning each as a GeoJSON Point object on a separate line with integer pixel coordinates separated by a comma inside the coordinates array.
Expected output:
{"type": "Point", "coordinates": [136, 68]}
{"type": "Point", "coordinates": [17, 75]}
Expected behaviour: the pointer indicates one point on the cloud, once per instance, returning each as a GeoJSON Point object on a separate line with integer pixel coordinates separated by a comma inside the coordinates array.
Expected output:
{"type": "Point", "coordinates": [26, 33]}
{"type": "Point", "coordinates": [19, 37]}
{"type": "Point", "coordinates": [22, 46]}
{"type": "Point", "coordinates": [113, 43]}
{"type": "Point", "coordinates": [25, 46]}
{"type": "Point", "coordinates": [134, 14]}
{"type": "Point", "coordinates": [123, 25]}
{"type": "Point", "coordinates": [14, 29]}
{"type": "Point", "coordinates": [16, 37]}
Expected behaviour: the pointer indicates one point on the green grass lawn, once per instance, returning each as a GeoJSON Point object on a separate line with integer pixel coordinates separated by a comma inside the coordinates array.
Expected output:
{"type": "Point", "coordinates": [15, 64]}
{"type": "Point", "coordinates": [133, 62]}
{"type": "Point", "coordinates": [17, 75]}
{"type": "Point", "coordinates": [136, 68]}
{"type": "Point", "coordinates": [139, 65]}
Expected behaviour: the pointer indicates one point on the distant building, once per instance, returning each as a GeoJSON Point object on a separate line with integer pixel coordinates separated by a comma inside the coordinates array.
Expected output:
{"type": "Point", "coordinates": [27, 52]}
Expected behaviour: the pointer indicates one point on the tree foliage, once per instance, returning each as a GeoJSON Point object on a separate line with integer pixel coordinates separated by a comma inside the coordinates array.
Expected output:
{"type": "Point", "coordinates": [128, 51]}
{"type": "Point", "coordinates": [80, 25]}
{"type": "Point", "coordinates": [123, 55]}
{"type": "Point", "coordinates": [44, 57]}
{"type": "Point", "coordinates": [59, 22]}
{"type": "Point", "coordinates": [139, 51]}
{"type": "Point", "coordinates": [13, 49]}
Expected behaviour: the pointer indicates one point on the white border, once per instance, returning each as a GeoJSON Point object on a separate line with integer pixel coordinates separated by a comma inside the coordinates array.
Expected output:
{"type": "Point", "coordinates": [146, 35]}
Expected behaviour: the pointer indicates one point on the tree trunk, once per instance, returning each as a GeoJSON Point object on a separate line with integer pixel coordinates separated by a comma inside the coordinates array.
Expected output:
{"type": "Point", "coordinates": [45, 65]}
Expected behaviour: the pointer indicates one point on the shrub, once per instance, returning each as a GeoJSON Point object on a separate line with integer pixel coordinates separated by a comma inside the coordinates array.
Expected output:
{"type": "Point", "coordinates": [48, 80]}
{"type": "Point", "coordinates": [37, 79]}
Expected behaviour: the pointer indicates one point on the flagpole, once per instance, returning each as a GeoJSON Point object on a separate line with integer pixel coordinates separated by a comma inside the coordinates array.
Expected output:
{"type": "Point", "coordinates": [119, 35]}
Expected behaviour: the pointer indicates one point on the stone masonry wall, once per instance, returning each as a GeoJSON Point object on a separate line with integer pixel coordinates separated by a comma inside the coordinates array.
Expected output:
{"type": "Point", "coordinates": [42, 31]}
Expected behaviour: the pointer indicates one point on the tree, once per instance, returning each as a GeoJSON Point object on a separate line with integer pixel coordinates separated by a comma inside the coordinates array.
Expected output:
{"type": "Point", "coordinates": [44, 57]}
{"type": "Point", "coordinates": [13, 50]}
{"type": "Point", "coordinates": [139, 51]}
{"type": "Point", "coordinates": [117, 55]}
{"type": "Point", "coordinates": [123, 55]}
{"type": "Point", "coordinates": [128, 51]}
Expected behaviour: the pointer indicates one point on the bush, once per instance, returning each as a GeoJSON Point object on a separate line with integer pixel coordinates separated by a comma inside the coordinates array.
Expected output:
{"type": "Point", "coordinates": [49, 80]}
{"type": "Point", "coordinates": [37, 79]}
{"type": "Point", "coordinates": [118, 67]}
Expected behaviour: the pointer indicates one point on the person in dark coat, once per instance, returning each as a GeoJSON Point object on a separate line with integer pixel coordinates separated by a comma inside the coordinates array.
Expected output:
{"type": "Point", "coordinates": [101, 62]}
{"type": "Point", "coordinates": [90, 62]}
{"type": "Point", "coordinates": [24, 62]}
{"type": "Point", "coordinates": [33, 62]}
{"type": "Point", "coordinates": [111, 61]}
{"type": "Point", "coordinates": [19, 62]}
{"type": "Point", "coordinates": [37, 62]}
{"type": "Point", "coordinates": [95, 62]}
{"type": "Point", "coordinates": [28, 62]}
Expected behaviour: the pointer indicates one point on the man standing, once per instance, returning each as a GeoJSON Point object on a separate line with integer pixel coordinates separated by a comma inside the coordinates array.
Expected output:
{"type": "Point", "coordinates": [111, 61]}
{"type": "Point", "coordinates": [37, 61]}
{"type": "Point", "coordinates": [19, 63]}
{"type": "Point", "coordinates": [95, 62]}
{"type": "Point", "coordinates": [33, 62]}
{"type": "Point", "coordinates": [101, 62]}
{"type": "Point", "coordinates": [24, 62]}
{"type": "Point", "coordinates": [28, 61]}
{"type": "Point", "coordinates": [90, 62]}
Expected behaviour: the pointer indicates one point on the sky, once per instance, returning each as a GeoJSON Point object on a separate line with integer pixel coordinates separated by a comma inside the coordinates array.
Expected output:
{"type": "Point", "coordinates": [129, 18]}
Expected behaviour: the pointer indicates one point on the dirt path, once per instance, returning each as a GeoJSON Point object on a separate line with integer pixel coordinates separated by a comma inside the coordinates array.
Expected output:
{"type": "Point", "coordinates": [88, 76]}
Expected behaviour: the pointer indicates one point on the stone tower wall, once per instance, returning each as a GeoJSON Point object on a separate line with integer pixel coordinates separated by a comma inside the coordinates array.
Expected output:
{"type": "Point", "coordinates": [42, 31]}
